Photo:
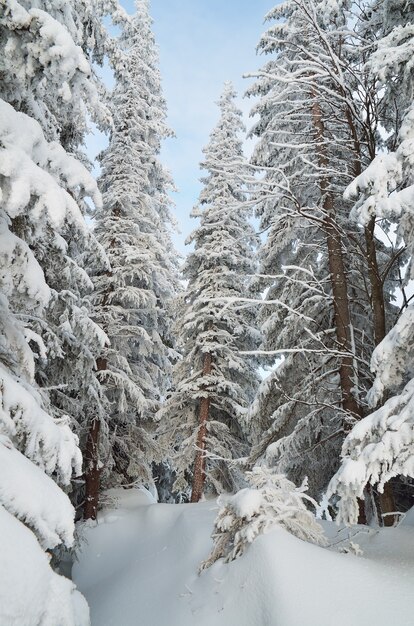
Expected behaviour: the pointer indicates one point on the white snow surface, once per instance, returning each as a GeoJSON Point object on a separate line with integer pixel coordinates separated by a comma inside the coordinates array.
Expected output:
{"type": "Point", "coordinates": [139, 566]}
{"type": "Point", "coordinates": [31, 594]}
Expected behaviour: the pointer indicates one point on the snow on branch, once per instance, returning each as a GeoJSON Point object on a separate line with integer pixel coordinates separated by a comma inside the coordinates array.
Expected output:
{"type": "Point", "coordinates": [34, 498]}
{"type": "Point", "coordinates": [48, 443]}
{"type": "Point", "coordinates": [271, 501]}
{"type": "Point", "coordinates": [35, 173]}
{"type": "Point", "coordinates": [379, 447]}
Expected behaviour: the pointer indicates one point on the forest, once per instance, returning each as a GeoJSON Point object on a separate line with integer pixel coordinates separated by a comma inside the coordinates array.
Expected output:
{"type": "Point", "coordinates": [225, 439]}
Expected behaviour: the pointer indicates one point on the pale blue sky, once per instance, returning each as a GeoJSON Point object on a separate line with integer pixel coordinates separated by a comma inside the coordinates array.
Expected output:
{"type": "Point", "coordinates": [202, 44]}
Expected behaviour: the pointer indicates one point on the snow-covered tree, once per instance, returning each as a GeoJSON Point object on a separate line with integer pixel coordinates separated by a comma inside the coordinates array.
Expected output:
{"type": "Point", "coordinates": [49, 74]}
{"type": "Point", "coordinates": [34, 447]}
{"type": "Point", "coordinates": [317, 129]}
{"type": "Point", "coordinates": [381, 446]}
{"type": "Point", "coordinates": [133, 295]}
{"type": "Point", "coordinates": [47, 90]}
{"type": "Point", "coordinates": [204, 418]}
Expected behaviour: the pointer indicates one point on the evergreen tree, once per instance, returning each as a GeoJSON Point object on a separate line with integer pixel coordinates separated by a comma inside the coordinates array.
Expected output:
{"type": "Point", "coordinates": [380, 447]}
{"type": "Point", "coordinates": [204, 418]}
{"type": "Point", "coordinates": [48, 89]}
{"type": "Point", "coordinates": [316, 131]}
{"type": "Point", "coordinates": [132, 297]}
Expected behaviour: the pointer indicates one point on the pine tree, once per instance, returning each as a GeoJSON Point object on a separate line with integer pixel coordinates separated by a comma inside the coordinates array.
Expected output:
{"type": "Point", "coordinates": [37, 451]}
{"type": "Point", "coordinates": [132, 297]}
{"type": "Point", "coordinates": [204, 418]}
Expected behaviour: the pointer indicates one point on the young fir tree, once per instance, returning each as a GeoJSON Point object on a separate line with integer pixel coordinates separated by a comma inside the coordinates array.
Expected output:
{"type": "Point", "coordinates": [204, 418]}
{"type": "Point", "coordinates": [330, 308]}
{"type": "Point", "coordinates": [132, 297]}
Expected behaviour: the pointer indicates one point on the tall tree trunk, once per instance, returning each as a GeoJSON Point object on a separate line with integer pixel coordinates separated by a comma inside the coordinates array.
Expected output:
{"type": "Point", "coordinates": [92, 465]}
{"type": "Point", "coordinates": [339, 283]}
{"type": "Point", "coordinates": [337, 271]}
{"type": "Point", "coordinates": [377, 292]}
{"type": "Point", "coordinates": [200, 460]}
{"type": "Point", "coordinates": [386, 499]}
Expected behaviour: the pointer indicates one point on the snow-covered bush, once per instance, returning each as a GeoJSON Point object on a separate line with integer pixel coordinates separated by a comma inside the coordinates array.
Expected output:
{"type": "Point", "coordinates": [271, 501]}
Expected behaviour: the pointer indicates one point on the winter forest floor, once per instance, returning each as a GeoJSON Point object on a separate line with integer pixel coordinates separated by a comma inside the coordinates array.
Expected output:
{"type": "Point", "coordinates": [139, 567]}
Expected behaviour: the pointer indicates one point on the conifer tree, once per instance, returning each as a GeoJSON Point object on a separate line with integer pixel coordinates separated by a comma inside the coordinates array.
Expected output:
{"type": "Point", "coordinates": [380, 447]}
{"type": "Point", "coordinates": [204, 418]}
{"type": "Point", "coordinates": [319, 258]}
{"type": "Point", "coordinates": [47, 88]}
{"type": "Point", "coordinates": [132, 297]}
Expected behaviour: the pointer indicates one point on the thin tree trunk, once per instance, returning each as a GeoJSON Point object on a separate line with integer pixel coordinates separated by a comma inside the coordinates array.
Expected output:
{"type": "Point", "coordinates": [92, 466]}
{"type": "Point", "coordinates": [200, 460]}
{"type": "Point", "coordinates": [377, 292]}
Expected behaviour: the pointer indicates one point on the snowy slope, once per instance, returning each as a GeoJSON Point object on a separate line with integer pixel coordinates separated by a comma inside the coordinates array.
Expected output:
{"type": "Point", "coordinates": [138, 567]}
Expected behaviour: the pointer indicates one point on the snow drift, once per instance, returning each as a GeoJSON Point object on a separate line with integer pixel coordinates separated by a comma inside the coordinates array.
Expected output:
{"type": "Point", "coordinates": [139, 565]}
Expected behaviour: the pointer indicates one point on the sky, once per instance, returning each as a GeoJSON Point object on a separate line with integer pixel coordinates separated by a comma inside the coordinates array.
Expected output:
{"type": "Point", "coordinates": [202, 43]}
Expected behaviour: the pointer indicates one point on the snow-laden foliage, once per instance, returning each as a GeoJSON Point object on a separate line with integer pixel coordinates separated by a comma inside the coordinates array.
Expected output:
{"type": "Point", "coordinates": [34, 595]}
{"type": "Point", "coordinates": [381, 446]}
{"type": "Point", "coordinates": [48, 342]}
{"type": "Point", "coordinates": [34, 191]}
{"type": "Point", "coordinates": [38, 175]}
{"type": "Point", "coordinates": [210, 321]}
{"type": "Point", "coordinates": [271, 501]}
{"type": "Point", "coordinates": [47, 72]}
{"type": "Point", "coordinates": [132, 297]}
{"type": "Point", "coordinates": [327, 280]}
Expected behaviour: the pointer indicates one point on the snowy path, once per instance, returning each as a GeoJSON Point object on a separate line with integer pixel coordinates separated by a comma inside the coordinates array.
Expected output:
{"type": "Point", "coordinates": [139, 568]}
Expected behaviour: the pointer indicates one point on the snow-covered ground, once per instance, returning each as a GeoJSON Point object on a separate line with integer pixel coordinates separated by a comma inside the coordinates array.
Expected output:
{"type": "Point", "coordinates": [139, 567]}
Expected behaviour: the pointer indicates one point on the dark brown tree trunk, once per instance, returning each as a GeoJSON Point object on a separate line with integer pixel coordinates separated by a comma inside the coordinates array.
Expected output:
{"type": "Point", "coordinates": [92, 472]}
{"type": "Point", "coordinates": [200, 459]}
{"type": "Point", "coordinates": [341, 314]}
{"type": "Point", "coordinates": [338, 275]}
{"type": "Point", "coordinates": [387, 505]}
{"type": "Point", "coordinates": [92, 466]}
{"type": "Point", "coordinates": [339, 284]}
{"type": "Point", "coordinates": [377, 292]}
{"type": "Point", "coordinates": [386, 499]}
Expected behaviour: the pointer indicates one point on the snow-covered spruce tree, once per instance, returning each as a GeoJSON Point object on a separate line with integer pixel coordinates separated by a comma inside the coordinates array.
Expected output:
{"type": "Point", "coordinates": [381, 446]}
{"type": "Point", "coordinates": [48, 74]}
{"type": "Point", "coordinates": [204, 418]}
{"type": "Point", "coordinates": [34, 447]}
{"type": "Point", "coordinates": [47, 90]}
{"type": "Point", "coordinates": [132, 298]}
{"type": "Point", "coordinates": [320, 259]}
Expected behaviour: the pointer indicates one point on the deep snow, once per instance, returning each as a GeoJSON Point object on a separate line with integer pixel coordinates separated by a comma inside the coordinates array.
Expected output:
{"type": "Point", "coordinates": [138, 567]}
